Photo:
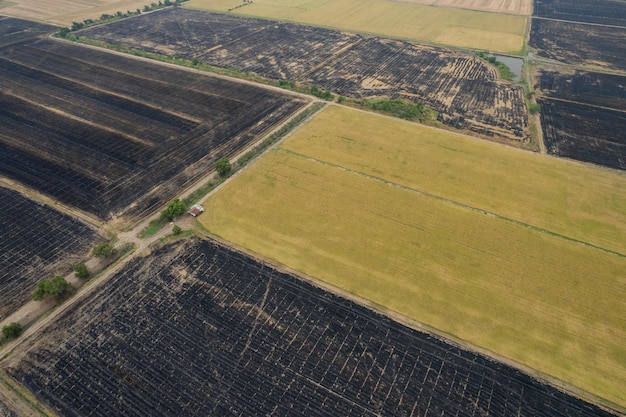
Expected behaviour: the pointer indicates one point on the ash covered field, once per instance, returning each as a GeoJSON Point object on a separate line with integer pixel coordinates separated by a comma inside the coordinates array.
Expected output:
{"type": "Point", "coordinates": [606, 12]}
{"type": "Point", "coordinates": [583, 111]}
{"type": "Point", "coordinates": [198, 329]}
{"type": "Point", "coordinates": [37, 242]}
{"type": "Point", "coordinates": [580, 43]}
{"type": "Point", "coordinates": [460, 86]}
{"type": "Point", "coordinates": [116, 136]}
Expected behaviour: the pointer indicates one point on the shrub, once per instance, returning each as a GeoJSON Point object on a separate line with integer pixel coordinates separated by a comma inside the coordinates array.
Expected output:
{"type": "Point", "coordinates": [51, 287]}
{"type": "Point", "coordinates": [81, 271]}
{"type": "Point", "coordinates": [11, 331]}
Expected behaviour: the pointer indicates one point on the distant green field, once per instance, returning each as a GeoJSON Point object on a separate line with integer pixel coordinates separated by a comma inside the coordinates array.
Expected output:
{"type": "Point", "coordinates": [449, 26]}
{"type": "Point", "coordinates": [363, 226]}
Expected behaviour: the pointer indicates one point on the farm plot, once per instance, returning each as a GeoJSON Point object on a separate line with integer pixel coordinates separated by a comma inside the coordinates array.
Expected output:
{"type": "Point", "coordinates": [197, 329]}
{"type": "Point", "coordinates": [579, 43]}
{"type": "Point", "coordinates": [37, 242]}
{"type": "Point", "coordinates": [448, 26]}
{"type": "Point", "coordinates": [432, 227]}
{"type": "Point", "coordinates": [585, 133]}
{"type": "Point", "coordinates": [116, 136]}
{"type": "Point", "coordinates": [606, 12]}
{"type": "Point", "coordinates": [523, 7]}
{"type": "Point", "coordinates": [593, 88]}
{"type": "Point", "coordinates": [64, 12]}
{"type": "Point", "coordinates": [17, 30]}
{"type": "Point", "coordinates": [584, 115]}
{"type": "Point", "coordinates": [461, 87]}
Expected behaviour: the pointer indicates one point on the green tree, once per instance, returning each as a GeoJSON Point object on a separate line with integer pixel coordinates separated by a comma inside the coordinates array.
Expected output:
{"type": "Point", "coordinates": [63, 32]}
{"type": "Point", "coordinates": [174, 209]}
{"type": "Point", "coordinates": [104, 250]}
{"type": "Point", "coordinates": [223, 167]}
{"type": "Point", "coordinates": [51, 287]}
{"type": "Point", "coordinates": [176, 230]}
{"type": "Point", "coordinates": [81, 271]}
{"type": "Point", "coordinates": [11, 331]}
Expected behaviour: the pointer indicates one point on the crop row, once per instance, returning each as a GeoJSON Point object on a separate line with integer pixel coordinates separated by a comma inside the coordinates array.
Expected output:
{"type": "Point", "coordinates": [100, 131]}
{"type": "Point", "coordinates": [460, 86]}
{"type": "Point", "coordinates": [198, 329]}
{"type": "Point", "coordinates": [37, 242]}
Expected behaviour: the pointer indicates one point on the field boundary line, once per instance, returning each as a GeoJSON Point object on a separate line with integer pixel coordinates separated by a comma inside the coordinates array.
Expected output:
{"type": "Point", "coordinates": [456, 203]}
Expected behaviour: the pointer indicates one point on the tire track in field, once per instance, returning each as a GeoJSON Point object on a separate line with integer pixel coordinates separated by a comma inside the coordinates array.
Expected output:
{"type": "Point", "coordinates": [455, 203]}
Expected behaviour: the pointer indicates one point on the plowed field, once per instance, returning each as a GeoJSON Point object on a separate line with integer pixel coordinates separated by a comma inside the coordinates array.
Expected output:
{"type": "Point", "coordinates": [37, 242]}
{"type": "Point", "coordinates": [116, 136]}
{"type": "Point", "coordinates": [460, 86]}
{"type": "Point", "coordinates": [197, 329]}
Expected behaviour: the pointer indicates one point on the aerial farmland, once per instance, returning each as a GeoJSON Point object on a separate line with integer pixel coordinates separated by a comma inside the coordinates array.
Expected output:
{"type": "Point", "coordinates": [465, 261]}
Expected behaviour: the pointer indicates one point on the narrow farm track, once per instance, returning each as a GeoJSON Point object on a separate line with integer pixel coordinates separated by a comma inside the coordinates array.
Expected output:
{"type": "Point", "coordinates": [455, 203]}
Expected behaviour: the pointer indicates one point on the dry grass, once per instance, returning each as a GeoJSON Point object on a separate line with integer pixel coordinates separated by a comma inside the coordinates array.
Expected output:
{"type": "Point", "coordinates": [450, 26]}
{"type": "Point", "coordinates": [552, 304]}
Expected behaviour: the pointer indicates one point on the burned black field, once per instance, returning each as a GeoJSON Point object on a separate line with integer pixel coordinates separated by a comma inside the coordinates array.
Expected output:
{"type": "Point", "coordinates": [116, 136]}
{"type": "Point", "coordinates": [197, 329]}
{"type": "Point", "coordinates": [583, 116]}
{"type": "Point", "coordinates": [593, 88]}
{"type": "Point", "coordinates": [579, 43]}
{"type": "Point", "coordinates": [605, 12]}
{"type": "Point", "coordinates": [585, 133]}
{"type": "Point", "coordinates": [37, 242]}
{"type": "Point", "coordinates": [460, 86]}
{"type": "Point", "coordinates": [18, 30]}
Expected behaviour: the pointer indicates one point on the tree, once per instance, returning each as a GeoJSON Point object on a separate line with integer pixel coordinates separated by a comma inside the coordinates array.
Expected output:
{"type": "Point", "coordinates": [63, 32]}
{"type": "Point", "coordinates": [81, 271]}
{"type": "Point", "coordinates": [103, 250]}
{"type": "Point", "coordinates": [223, 167]}
{"type": "Point", "coordinates": [176, 230]}
{"type": "Point", "coordinates": [51, 287]}
{"type": "Point", "coordinates": [174, 209]}
{"type": "Point", "coordinates": [11, 331]}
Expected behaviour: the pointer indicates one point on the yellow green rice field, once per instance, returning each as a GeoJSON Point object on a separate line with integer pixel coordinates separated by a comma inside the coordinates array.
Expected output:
{"type": "Point", "coordinates": [342, 204]}
{"type": "Point", "coordinates": [449, 26]}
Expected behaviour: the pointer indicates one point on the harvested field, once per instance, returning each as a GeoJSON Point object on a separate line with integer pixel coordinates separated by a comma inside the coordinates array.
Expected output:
{"type": "Point", "coordinates": [585, 133]}
{"type": "Point", "coordinates": [606, 12]}
{"type": "Point", "coordinates": [448, 26]}
{"type": "Point", "coordinates": [37, 242]}
{"type": "Point", "coordinates": [64, 12]}
{"type": "Point", "coordinates": [579, 43]}
{"type": "Point", "coordinates": [523, 7]}
{"type": "Point", "coordinates": [374, 227]}
{"type": "Point", "coordinates": [460, 86]}
{"type": "Point", "coordinates": [116, 136]}
{"type": "Point", "coordinates": [197, 329]}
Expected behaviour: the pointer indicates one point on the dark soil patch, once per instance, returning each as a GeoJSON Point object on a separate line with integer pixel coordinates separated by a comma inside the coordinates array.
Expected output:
{"type": "Point", "coordinates": [197, 329]}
